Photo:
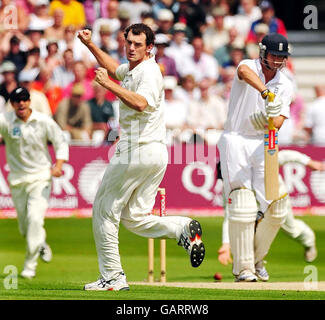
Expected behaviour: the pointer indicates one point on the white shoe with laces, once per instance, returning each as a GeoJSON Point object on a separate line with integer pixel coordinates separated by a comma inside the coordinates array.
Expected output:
{"type": "Point", "coordinates": [191, 241]}
{"type": "Point", "coordinates": [117, 284]}
{"type": "Point", "coordinates": [45, 253]}
{"type": "Point", "coordinates": [246, 276]}
{"type": "Point", "coordinates": [261, 271]}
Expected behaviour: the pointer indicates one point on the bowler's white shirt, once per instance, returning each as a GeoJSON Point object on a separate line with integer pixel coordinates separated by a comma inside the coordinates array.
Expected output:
{"type": "Point", "coordinates": [26, 146]}
{"type": "Point", "coordinates": [149, 125]}
{"type": "Point", "coordinates": [245, 100]}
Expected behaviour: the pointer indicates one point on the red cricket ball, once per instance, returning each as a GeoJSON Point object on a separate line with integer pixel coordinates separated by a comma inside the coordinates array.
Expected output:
{"type": "Point", "coordinates": [217, 276]}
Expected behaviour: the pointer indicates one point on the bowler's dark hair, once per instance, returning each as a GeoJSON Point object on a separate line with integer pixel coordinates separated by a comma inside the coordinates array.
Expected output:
{"type": "Point", "coordinates": [139, 28]}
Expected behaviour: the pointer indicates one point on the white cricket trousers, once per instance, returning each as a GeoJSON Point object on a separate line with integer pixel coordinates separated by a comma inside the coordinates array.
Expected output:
{"type": "Point", "coordinates": [127, 194]}
{"type": "Point", "coordinates": [31, 202]}
{"type": "Point", "coordinates": [242, 165]}
{"type": "Point", "coordinates": [299, 230]}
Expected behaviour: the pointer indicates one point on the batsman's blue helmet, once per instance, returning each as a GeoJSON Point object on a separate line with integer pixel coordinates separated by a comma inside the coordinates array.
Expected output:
{"type": "Point", "coordinates": [276, 44]}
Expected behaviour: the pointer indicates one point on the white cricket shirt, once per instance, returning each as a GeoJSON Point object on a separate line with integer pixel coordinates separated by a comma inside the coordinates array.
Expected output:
{"type": "Point", "coordinates": [26, 146]}
{"type": "Point", "coordinates": [149, 125]}
{"type": "Point", "coordinates": [245, 100]}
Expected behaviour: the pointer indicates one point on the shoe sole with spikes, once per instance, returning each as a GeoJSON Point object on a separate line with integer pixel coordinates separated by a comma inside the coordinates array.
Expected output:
{"type": "Point", "coordinates": [197, 251]}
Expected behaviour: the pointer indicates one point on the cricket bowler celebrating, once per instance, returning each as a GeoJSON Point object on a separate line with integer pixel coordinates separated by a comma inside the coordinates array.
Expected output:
{"type": "Point", "coordinates": [130, 183]}
{"type": "Point", "coordinates": [241, 149]}
{"type": "Point", "coordinates": [26, 133]}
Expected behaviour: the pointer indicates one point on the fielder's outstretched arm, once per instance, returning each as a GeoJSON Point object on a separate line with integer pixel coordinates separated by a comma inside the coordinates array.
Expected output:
{"type": "Point", "coordinates": [286, 156]}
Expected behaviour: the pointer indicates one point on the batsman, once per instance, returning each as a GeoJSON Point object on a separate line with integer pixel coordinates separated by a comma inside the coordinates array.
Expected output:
{"type": "Point", "coordinates": [260, 92]}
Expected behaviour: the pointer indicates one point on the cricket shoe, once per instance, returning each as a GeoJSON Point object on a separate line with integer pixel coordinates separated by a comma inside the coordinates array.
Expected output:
{"type": "Point", "coordinates": [191, 241]}
{"type": "Point", "coordinates": [28, 274]}
{"type": "Point", "coordinates": [117, 284]}
{"type": "Point", "coordinates": [261, 272]}
{"type": "Point", "coordinates": [310, 254]}
{"type": "Point", "coordinates": [45, 252]}
{"type": "Point", "coordinates": [246, 276]}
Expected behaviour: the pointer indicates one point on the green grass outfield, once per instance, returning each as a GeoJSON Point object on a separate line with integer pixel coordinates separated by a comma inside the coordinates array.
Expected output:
{"type": "Point", "coordinates": [75, 263]}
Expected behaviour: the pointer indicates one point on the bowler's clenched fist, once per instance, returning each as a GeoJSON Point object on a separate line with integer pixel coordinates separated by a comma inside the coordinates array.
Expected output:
{"type": "Point", "coordinates": [85, 36]}
{"type": "Point", "coordinates": [101, 76]}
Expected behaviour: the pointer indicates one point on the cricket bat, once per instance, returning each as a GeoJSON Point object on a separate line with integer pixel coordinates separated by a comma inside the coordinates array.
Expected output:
{"type": "Point", "coordinates": [271, 164]}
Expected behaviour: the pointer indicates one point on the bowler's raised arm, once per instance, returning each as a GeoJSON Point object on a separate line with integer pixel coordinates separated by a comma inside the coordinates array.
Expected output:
{"type": "Point", "coordinates": [103, 59]}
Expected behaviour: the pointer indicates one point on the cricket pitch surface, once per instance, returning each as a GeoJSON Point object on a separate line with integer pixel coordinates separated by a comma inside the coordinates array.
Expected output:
{"type": "Point", "coordinates": [295, 286]}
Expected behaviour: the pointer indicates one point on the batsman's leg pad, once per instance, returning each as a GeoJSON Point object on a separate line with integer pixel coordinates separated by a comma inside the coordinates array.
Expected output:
{"type": "Point", "coordinates": [278, 211]}
{"type": "Point", "coordinates": [242, 208]}
{"type": "Point", "coordinates": [267, 229]}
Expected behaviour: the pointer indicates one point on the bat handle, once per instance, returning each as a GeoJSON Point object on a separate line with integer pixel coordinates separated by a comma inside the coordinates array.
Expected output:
{"type": "Point", "coordinates": [271, 96]}
{"type": "Point", "coordinates": [271, 124]}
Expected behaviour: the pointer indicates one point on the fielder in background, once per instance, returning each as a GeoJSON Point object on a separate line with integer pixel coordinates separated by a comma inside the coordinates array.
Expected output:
{"type": "Point", "coordinates": [241, 149]}
{"type": "Point", "coordinates": [129, 187]}
{"type": "Point", "coordinates": [26, 133]}
{"type": "Point", "coordinates": [294, 228]}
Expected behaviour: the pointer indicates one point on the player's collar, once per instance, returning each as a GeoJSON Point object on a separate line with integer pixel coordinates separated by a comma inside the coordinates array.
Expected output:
{"type": "Point", "coordinates": [32, 117]}
{"type": "Point", "coordinates": [141, 64]}
{"type": "Point", "coordinates": [260, 71]}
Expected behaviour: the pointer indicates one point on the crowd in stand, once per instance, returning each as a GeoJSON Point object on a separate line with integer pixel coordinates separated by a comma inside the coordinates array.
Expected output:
{"type": "Point", "coordinates": [199, 44]}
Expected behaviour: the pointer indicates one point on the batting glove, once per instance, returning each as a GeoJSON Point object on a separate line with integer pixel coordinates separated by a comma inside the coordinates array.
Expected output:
{"type": "Point", "coordinates": [258, 120]}
{"type": "Point", "coordinates": [273, 108]}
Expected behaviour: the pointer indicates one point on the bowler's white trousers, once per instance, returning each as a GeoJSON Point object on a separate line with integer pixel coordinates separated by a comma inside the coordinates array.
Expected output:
{"type": "Point", "coordinates": [31, 202]}
{"type": "Point", "coordinates": [127, 194]}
